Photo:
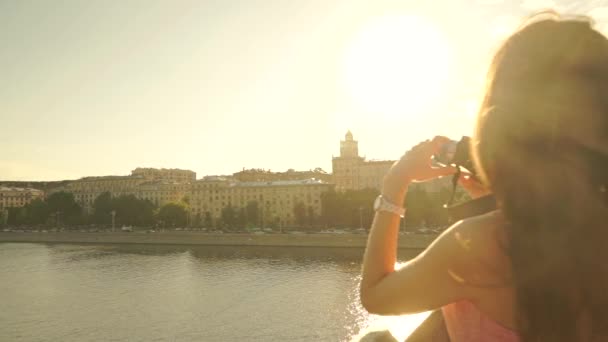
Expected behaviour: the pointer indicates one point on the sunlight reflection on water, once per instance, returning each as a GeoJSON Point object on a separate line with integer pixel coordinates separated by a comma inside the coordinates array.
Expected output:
{"type": "Point", "coordinates": [143, 293]}
{"type": "Point", "coordinates": [399, 326]}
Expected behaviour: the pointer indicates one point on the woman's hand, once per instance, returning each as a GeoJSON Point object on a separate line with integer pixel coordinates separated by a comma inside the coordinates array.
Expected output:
{"type": "Point", "coordinates": [472, 186]}
{"type": "Point", "coordinates": [415, 165]}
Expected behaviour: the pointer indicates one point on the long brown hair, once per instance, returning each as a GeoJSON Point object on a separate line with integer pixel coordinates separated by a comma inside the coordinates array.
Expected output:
{"type": "Point", "coordinates": [541, 145]}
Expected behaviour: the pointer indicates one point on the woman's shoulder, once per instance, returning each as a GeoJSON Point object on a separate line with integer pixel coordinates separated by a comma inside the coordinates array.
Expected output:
{"type": "Point", "coordinates": [481, 232]}
{"type": "Point", "coordinates": [479, 245]}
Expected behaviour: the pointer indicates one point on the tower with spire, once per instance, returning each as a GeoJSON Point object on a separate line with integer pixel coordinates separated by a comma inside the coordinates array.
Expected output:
{"type": "Point", "coordinates": [349, 147]}
{"type": "Point", "coordinates": [345, 168]}
{"type": "Point", "coordinates": [352, 172]}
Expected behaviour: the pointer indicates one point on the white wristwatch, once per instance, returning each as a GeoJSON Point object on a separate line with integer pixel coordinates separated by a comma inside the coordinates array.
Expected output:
{"type": "Point", "coordinates": [381, 204]}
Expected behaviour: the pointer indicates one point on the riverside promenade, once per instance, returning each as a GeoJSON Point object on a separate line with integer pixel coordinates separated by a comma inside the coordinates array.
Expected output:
{"type": "Point", "coordinates": [409, 241]}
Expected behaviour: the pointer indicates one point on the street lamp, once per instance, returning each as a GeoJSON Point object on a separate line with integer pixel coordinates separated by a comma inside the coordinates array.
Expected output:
{"type": "Point", "coordinates": [4, 216]}
{"type": "Point", "coordinates": [113, 213]}
{"type": "Point", "coordinates": [361, 217]}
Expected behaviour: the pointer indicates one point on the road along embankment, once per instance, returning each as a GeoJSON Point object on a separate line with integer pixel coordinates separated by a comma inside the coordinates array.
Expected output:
{"type": "Point", "coordinates": [410, 241]}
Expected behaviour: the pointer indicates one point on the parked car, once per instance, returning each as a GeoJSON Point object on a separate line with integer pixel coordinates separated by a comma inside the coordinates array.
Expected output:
{"type": "Point", "coordinates": [424, 231]}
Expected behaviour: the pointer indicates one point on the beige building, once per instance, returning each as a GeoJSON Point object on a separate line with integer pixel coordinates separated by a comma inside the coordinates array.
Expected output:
{"type": "Point", "coordinates": [86, 190]}
{"type": "Point", "coordinates": [175, 175]}
{"type": "Point", "coordinates": [371, 173]}
{"type": "Point", "coordinates": [275, 200]}
{"type": "Point", "coordinates": [352, 172]}
{"type": "Point", "coordinates": [11, 197]}
{"type": "Point", "coordinates": [163, 191]}
{"type": "Point", "coordinates": [261, 175]}
{"type": "Point", "coordinates": [158, 185]}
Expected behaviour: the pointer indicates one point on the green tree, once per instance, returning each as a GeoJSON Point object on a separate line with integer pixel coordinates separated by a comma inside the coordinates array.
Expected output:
{"type": "Point", "coordinates": [299, 213]}
{"type": "Point", "coordinates": [330, 207]}
{"type": "Point", "coordinates": [17, 216]}
{"type": "Point", "coordinates": [133, 211]}
{"type": "Point", "coordinates": [241, 217]}
{"type": "Point", "coordinates": [437, 214]}
{"type": "Point", "coordinates": [102, 208]}
{"type": "Point", "coordinates": [37, 212]}
{"type": "Point", "coordinates": [173, 214]}
{"type": "Point", "coordinates": [197, 220]}
{"type": "Point", "coordinates": [344, 209]}
{"type": "Point", "coordinates": [63, 204]}
{"type": "Point", "coordinates": [229, 216]}
{"type": "Point", "coordinates": [310, 216]}
{"type": "Point", "coordinates": [208, 220]}
{"type": "Point", "coordinates": [275, 222]}
{"type": "Point", "coordinates": [3, 217]}
{"type": "Point", "coordinates": [252, 213]}
{"type": "Point", "coordinates": [417, 203]}
{"type": "Point", "coordinates": [357, 203]}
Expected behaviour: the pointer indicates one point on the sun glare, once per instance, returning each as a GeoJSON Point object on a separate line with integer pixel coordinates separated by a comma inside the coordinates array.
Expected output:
{"type": "Point", "coordinates": [396, 65]}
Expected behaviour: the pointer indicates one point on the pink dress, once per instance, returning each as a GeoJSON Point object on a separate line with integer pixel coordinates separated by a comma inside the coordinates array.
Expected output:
{"type": "Point", "coordinates": [465, 323]}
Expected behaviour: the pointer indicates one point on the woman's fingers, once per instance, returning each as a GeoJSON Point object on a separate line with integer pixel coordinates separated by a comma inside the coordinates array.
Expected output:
{"type": "Point", "coordinates": [415, 165]}
{"type": "Point", "coordinates": [431, 147]}
{"type": "Point", "coordinates": [466, 179]}
{"type": "Point", "coordinates": [437, 172]}
{"type": "Point", "coordinates": [472, 186]}
{"type": "Point", "coordinates": [439, 141]}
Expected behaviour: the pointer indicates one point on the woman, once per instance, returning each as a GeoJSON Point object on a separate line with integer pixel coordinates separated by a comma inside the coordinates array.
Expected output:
{"type": "Point", "coordinates": [536, 269]}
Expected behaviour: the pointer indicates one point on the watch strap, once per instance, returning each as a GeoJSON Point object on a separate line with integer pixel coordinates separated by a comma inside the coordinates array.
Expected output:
{"type": "Point", "coordinates": [386, 205]}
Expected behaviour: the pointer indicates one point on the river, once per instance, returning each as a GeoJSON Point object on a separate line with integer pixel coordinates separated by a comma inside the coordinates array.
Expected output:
{"type": "Point", "coordinates": [63, 292]}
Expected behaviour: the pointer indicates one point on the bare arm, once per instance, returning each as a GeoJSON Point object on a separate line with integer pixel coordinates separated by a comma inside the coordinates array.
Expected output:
{"type": "Point", "coordinates": [426, 282]}
{"type": "Point", "coordinates": [433, 279]}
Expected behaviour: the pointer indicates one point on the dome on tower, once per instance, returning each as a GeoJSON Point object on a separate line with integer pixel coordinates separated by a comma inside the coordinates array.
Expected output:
{"type": "Point", "coordinates": [349, 135]}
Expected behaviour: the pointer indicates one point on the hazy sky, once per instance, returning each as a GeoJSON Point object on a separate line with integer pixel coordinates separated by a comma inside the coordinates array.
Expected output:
{"type": "Point", "coordinates": [101, 87]}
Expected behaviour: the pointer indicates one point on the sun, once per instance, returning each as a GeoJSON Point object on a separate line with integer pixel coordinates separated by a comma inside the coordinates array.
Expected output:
{"type": "Point", "coordinates": [396, 65]}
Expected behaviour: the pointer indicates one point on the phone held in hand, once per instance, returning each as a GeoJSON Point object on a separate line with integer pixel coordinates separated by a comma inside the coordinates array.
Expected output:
{"type": "Point", "coordinates": [475, 207]}
{"type": "Point", "coordinates": [457, 153]}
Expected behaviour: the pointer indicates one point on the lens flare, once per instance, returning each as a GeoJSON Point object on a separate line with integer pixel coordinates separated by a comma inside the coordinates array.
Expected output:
{"type": "Point", "coordinates": [396, 65]}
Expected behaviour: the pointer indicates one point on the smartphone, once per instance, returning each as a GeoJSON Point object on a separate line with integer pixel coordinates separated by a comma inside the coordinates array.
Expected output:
{"type": "Point", "coordinates": [446, 153]}
{"type": "Point", "coordinates": [472, 208]}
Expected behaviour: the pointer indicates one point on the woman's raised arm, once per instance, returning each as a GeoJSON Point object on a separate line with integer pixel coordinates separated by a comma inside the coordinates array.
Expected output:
{"type": "Point", "coordinates": [428, 281]}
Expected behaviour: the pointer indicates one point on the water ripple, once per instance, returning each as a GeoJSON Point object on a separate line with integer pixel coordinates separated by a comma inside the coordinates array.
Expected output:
{"type": "Point", "coordinates": [156, 293]}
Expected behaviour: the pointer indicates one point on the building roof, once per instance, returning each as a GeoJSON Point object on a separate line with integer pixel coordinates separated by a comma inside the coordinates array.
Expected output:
{"type": "Point", "coordinates": [270, 172]}
{"type": "Point", "coordinates": [15, 189]}
{"type": "Point", "coordinates": [380, 161]}
{"type": "Point", "coordinates": [161, 170]}
{"type": "Point", "coordinates": [310, 181]}
{"type": "Point", "coordinates": [215, 179]}
{"type": "Point", "coordinates": [162, 182]}
{"type": "Point", "coordinates": [96, 178]}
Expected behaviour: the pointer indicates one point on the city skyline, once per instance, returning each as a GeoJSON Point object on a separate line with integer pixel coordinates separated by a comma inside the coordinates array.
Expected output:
{"type": "Point", "coordinates": [100, 88]}
{"type": "Point", "coordinates": [199, 176]}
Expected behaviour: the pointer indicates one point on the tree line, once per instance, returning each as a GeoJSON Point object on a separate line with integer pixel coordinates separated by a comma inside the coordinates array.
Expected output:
{"type": "Point", "coordinates": [354, 208]}
{"type": "Point", "coordinates": [349, 209]}
{"type": "Point", "coordinates": [61, 209]}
